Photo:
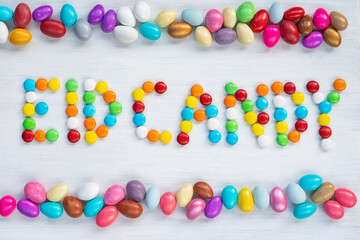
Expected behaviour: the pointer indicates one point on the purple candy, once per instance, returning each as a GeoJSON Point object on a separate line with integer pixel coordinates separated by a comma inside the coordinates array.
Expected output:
{"type": "Point", "coordinates": [213, 208]}
{"type": "Point", "coordinates": [96, 14]}
{"type": "Point", "coordinates": [109, 21]}
{"type": "Point", "coordinates": [313, 40]}
{"type": "Point", "coordinates": [42, 13]}
{"type": "Point", "coordinates": [136, 190]}
{"type": "Point", "coordinates": [28, 208]}
{"type": "Point", "coordinates": [225, 36]}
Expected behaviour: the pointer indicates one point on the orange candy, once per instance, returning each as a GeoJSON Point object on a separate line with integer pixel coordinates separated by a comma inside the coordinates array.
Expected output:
{"type": "Point", "coordinates": [196, 90]}
{"type": "Point", "coordinates": [109, 96]}
{"type": "Point", "coordinates": [71, 111]}
{"type": "Point", "coordinates": [153, 136]}
{"type": "Point", "coordinates": [200, 115]}
{"type": "Point", "coordinates": [340, 84]}
{"type": "Point", "coordinates": [42, 84]}
{"type": "Point", "coordinates": [40, 136]}
{"type": "Point", "coordinates": [262, 90]}
{"type": "Point", "coordinates": [294, 136]}
{"type": "Point", "coordinates": [102, 131]}
{"type": "Point", "coordinates": [230, 101]}
{"type": "Point", "coordinates": [89, 123]}
{"type": "Point", "coordinates": [148, 87]}
{"type": "Point", "coordinates": [277, 87]}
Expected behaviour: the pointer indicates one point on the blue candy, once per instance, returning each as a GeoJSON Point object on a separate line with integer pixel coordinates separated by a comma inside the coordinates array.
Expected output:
{"type": "Point", "coordinates": [211, 111]}
{"type": "Point", "coordinates": [325, 107]}
{"type": "Point", "coordinates": [89, 110]}
{"type": "Point", "coordinates": [310, 182]}
{"type": "Point", "coordinates": [304, 210]}
{"type": "Point", "coordinates": [68, 15]}
{"type": "Point", "coordinates": [51, 209]}
{"type": "Point", "coordinates": [150, 31]}
{"type": "Point", "coordinates": [232, 138]}
{"type": "Point", "coordinates": [214, 136]}
{"type": "Point", "coordinates": [280, 114]}
{"type": "Point", "coordinates": [295, 193]}
{"type": "Point", "coordinates": [229, 197]}
{"type": "Point", "coordinates": [261, 197]}
{"type": "Point", "coordinates": [139, 119]}
{"type": "Point", "coordinates": [41, 108]}
{"type": "Point", "coordinates": [261, 103]}
{"type": "Point", "coordinates": [110, 120]}
{"type": "Point", "coordinates": [301, 112]}
{"type": "Point", "coordinates": [29, 85]}
{"type": "Point", "coordinates": [5, 13]}
{"type": "Point", "coordinates": [187, 114]}
{"type": "Point", "coordinates": [194, 17]}
{"type": "Point", "coordinates": [152, 198]}
{"type": "Point", "coordinates": [276, 12]}
{"type": "Point", "coordinates": [93, 207]}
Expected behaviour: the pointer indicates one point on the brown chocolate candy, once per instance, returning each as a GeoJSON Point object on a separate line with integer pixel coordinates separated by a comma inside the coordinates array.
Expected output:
{"type": "Point", "coordinates": [73, 207]}
{"type": "Point", "coordinates": [338, 21]}
{"type": "Point", "coordinates": [323, 193]}
{"type": "Point", "coordinates": [332, 37]}
{"type": "Point", "coordinates": [130, 209]}
{"type": "Point", "coordinates": [305, 25]}
{"type": "Point", "coordinates": [203, 190]}
{"type": "Point", "coordinates": [179, 30]}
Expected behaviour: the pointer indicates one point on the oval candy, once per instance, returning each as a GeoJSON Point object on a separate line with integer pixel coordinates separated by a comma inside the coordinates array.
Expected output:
{"type": "Point", "coordinates": [42, 13]}
{"type": "Point", "coordinates": [88, 191]}
{"type": "Point", "coordinates": [68, 15]}
{"type": "Point", "coordinates": [57, 193]}
{"type": "Point", "coordinates": [214, 20]}
{"type": "Point", "coordinates": [278, 200]}
{"type": "Point", "coordinates": [152, 198]}
{"type": "Point", "coordinates": [35, 192]}
{"type": "Point", "coordinates": [96, 14]}
{"type": "Point", "coordinates": [142, 11]}
{"type": "Point", "coordinates": [7, 205]}
{"type": "Point", "coordinates": [213, 207]}
{"type": "Point", "coordinates": [244, 34]}
{"type": "Point", "coordinates": [184, 195]}
{"type": "Point", "coordinates": [294, 13]}
{"type": "Point", "coordinates": [261, 197]}
{"type": "Point", "coordinates": [245, 200]}
{"type": "Point", "coordinates": [72, 206]}
{"type": "Point", "coordinates": [229, 197]}
{"type": "Point", "coordinates": [338, 21]}
{"type": "Point", "coordinates": [150, 31]}
{"type": "Point", "coordinates": [310, 182]}
{"type": "Point", "coordinates": [51, 209]}
{"type": "Point", "coordinates": [289, 32]}
{"type": "Point", "coordinates": [53, 28]}
{"type": "Point", "coordinates": [28, 208]}
{"type": "Point", "coordinates": [203, 190]}
{"type": "Point", "coordinates": [130, 209]}
{"type": "Point", "coordinates": [334, 209]}
{"type": "Point", "coordinates": [245, 12]}
{"type": "Point", "coordinates": [22, 15]}
{"type": "Point", "coordinates": [260, 20]}
{"type": "Point", "coordinates": [276, 13]}
{"type": "Point", "coordinates": [126, 17]}
{"type": "Point", "coordinates": [168, 203]}
{"type": "Point", "coordinates": [295, 193]}
{"type": "Point", "coordinates": [136, 190]}
{"type": "Point", "coordinates": [313, 40]}
{"type": "Point", "coordinates": [179, 30]}
{"type": "Point", "coordinates": [203, 36]}
{"type": "Point", "coordinates": [192, 16]}
{"type": "Point", "coordinates": [332, 37]}
{"type": "Point", "coordinates": [323, 193]}
{"type": "Point", "coordinates": [321, 19]}
{"type": "Point", "coordinates": [271, 36]}
{"type": "Point", "coordinates": [165, 18]}
{"type": "Point", "coordinates": [114, 194]}
{"type": "Point", "coordinates": [83, 30]}
{"type": "Point", "coordinates": [125, 34]}
{"type": "Point", "coordinates": [195, 208]}
{"type": "Point", "coordinates": [5, 14]}
{"type": "Point", "coordinates": [304, 210]}
{"type": "Point", "coordinates": [229, 16]}
{"type": "Point", "coordinates": [345, 197]}
{"type": "Point", "coordinates": [93, 207]}
{"type": "Point", "coordinates": [305, 25]}
{"type": "Point", "coordinates": [109, 21]}
{"type": "Point", "coordinates": [106, 216]}
{"type": "Point", "coordinates": [225, 36]}
{"type": "Point", "coordinates": [4, 32]}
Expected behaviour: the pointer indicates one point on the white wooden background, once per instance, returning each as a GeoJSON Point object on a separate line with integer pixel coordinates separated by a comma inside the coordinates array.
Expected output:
{"type": "Point", "coordinates": [180, 63]}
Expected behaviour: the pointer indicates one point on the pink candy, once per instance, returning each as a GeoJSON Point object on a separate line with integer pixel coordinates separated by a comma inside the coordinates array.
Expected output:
{"type": "Point", "coordinates": [114, 195]}
{"type": "Point", "coordinates": [278, 200]}
{"type": "Point", "coordinates": [321, 18]}
{"type": "Point", "coordinates": [7, 205]}
{"type": "Point", "coordinates": [195, 208]}
{"type": "Point", "coordinates": [345, 197]}
{"type": "Point", "coordinates": [107, 216]}
{"type": "Point", "coordinates": [334, 209]}
{"type": "Point", "coordinates": [168, 203]}
{"type": "Point", "coordinates": [271, 35]}
{"type": "Point", "coordinates": [35, 192]}
{"type": "Point", "coordinates": [214, 20]}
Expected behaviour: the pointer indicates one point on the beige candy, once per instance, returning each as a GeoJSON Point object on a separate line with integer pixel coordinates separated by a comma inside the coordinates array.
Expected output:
{"type": "Point", "coordinates": [338, 21]}
{"type": "Point", "coordinates": [203, 36]}
{"type": "Point", "coordinates": [229, 15]}
{"type": "Point", "coordinates": [57, 193]}
{"type": "Point", "coordinates": [244, 34]}
{"type": "Point", "coordinates": [323, 193]}
{"type": "Point", "coordinates": [165, 18]}
{"type": "Point", "coordinates": [184, 195]}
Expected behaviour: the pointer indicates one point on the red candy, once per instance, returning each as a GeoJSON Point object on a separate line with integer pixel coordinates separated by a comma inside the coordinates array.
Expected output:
{"type": "Point", "coordinates": [334, 209]}
{"type": "Point", "coordinates": [160, 87]}
{"type": "Point", "coordinates": [263, 118]}
{"type": "Point", "coordinates": [183, 138]}
{"type": "Point", "coordinates": [260, 20]}
{"type": "Point", "coordinates": [27, 136]}
{"type": "Point", "coordinates": [325, 132]}
{"type": "Point", "coordinates": [301, 125]}
{"type": "Point", "coordinates": [289, 32]}
{"type": "Point", "coordinates": [345, 197]}
{"type": "Point", "coordinates": [241, 95]}
{"type": "Point", "coordinates": [73, 136]}
{"type": "Point", "coordinates": [294, 13]}
{"type": "Point", "coordinates": [53, 28]}
{"type": "Point", "coordinates": [138, 107]}
{"type": "Point", "coordinates": [206, 99]}
{"type": "Point", "coordinates": [313, 86]}
{"type": "Point", "coordinates": [22, 15]}
{"type": "Point", "coordinates": [289, 88]}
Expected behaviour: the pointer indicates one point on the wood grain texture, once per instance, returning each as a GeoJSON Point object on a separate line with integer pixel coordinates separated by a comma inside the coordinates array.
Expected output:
{"type": "Point", "coordinates": [180, 63]}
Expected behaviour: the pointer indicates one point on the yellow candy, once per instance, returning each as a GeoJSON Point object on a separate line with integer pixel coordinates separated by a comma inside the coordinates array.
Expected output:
{"type": "Point", "coordinates": [281, 127]}
{"type": "Point", "coordinates": [324, 119]}
{"type": "Point", "coordinates": [20, 36]}
{"type": "Point", "coordinates": [165, 137]}
{"type": "Point", "coordinates": [257, 129]}
{"type": "Point", "coordinates": [203, 36]}
{"type": "Point", "coordinates": [90, 137]}
{"type": "Point", "coordinates": [165, 18]}
{"type": "Point", "coordinates": [138, 94]}
{"type": "Point", "coordinates": [191, 102]}
{"type": "Point", "coordinates": [28, 109]}
{"type": "Point", "coordinates": [57, 193]}
{"type": "Point", "coordinates": [250, 118]}
{"type": "Point", "coordinates": [101, 87]}
{"type": "Point", "coordinates": [186, 126]}
{"type": "Point", "coordinates": [245, 200]}
{"type": "Point", "coordinates": [54, 84]}
{"type": "Point", "coordinates": [184, 195]}
{"type": "Point", "coordinates": [72, 97]}
{"type": "Point", "coordinates": [298, 98]}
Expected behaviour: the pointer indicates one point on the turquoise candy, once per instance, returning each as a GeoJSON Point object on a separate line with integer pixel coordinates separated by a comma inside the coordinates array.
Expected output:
{"type": "Point", "coordinates": [304, 210]}
{"type": "Point", "coordinates": [51, 209]}
{"type": "Point", "coordinates": [261, 197]}
{"type": "Point", "coordinates": [5, 13]}
{"type": "Point", "coordinates": [150, 31]}
{"type": "Point", "coordinates": [93, 207]}
{"type": "Point", "coordinates": [229, 197]}
{"type": "Point", "coordinates": [192, 16]}
{"type": "Point", "coordinates": [310, 182]}
{"type": "Point", "coordinates": [152, 198]}
{"type": "Point", "coordinates": [276, 13]}
{"type": "Point", "coordinates": [68, 15]}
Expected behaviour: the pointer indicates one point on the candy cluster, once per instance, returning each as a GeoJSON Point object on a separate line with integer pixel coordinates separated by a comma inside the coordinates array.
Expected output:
{"type": "Point", "coordinates": [274, 24]}
{"type": "Point", "coordinates": [197, 199]}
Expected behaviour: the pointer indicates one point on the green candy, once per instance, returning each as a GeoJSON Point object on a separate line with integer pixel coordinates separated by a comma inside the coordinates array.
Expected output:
{"type": "Point", "coordinates": [232, 126]}
{"type": "Point", "coordinates": [52, 135]}
{"type": "Point", "coordinates": [89, 97]}
{"type": "Point", "coordinates": [333, 97]}
{"type": "Point", "coordinates": [71, 85]}
{"type": "Point", "coordinates": [247, 105]}
{"type": "Point", "coordinates": [245, 12]}
{"type": "Point", "coordinates": [115, 108]}
{"type": "Point", "coordinates": [231, 88]}
{"type": "Point", "coordinates": [282, 139]}
{"type": "Point", "coordinates": [29, 124]}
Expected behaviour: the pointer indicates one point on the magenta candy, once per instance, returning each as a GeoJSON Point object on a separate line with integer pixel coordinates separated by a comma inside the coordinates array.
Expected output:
{"type": "Point", "coordinates": [313, 40]}
{"type": "Point", "coordinates": [114, 195]}
{"type": "Point", "coordinates": [96, 14]}
{"type": "Point", "coordinates": [214, 20]}
{"type": "Point", "coordinates": [334, 209]}
{"type": "Point", "coordinates": [109, 21]}
{"type": "Point", "coordinates": [271, 35]}
{"type": "Point", "coordinates": [345, 197]}
{"type": "Point", "coordinates": [278, 200]}
{"type": "Point", "coordinates": [195, 208]}
{"type": "Point", "coordinates": [35, 192]}
{"type": "Point", "coordinates": [321, 18]}
{"type": "Point", "coordinates": [42, 13]}
{"type": "Point", "coordinates": [28, 208]}
{"type": "Point", "coordinates": [213, 207]}
{"type": "Point", "coordinates": [225, 36]}
{"type": "Point", "coordinates": [7, 205]}
{"type": "Point", "coordinates": [168, 203]}
{"type": "Point", "coordinates": [107, 216]}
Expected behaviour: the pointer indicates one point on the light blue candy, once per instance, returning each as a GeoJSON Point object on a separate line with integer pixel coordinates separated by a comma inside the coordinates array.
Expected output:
{"type": "Point", "coordinates": [232, 138]}
{"type": "Point", "coordinates": [89, 110]}
{"type": "Point", "coordinates": [310, 182]}
{"type": "Point", "coordinates": [280, 114]}
{"type": "Point", "coordinates": [261, 103]}
{"type": "Point", "coordinates": [325, 107]}
{"type": "Point", "coordinates": [295, 193]}
{"type": "Point", "coordinates": [187, 114]}
{"type": "Point", "coordinates": [211, 111]}
{"type": "Point", "coordinates": [192, 16]}
{"type": "Point", "coordinates": [152, 198]}
{"type": "Point", "coordinates": [110, 120]}
{"type": "Point", "coordinates": [29, 85]}
{"type": "Point", "coordinates": [5, 13]}
{"type": "Point", "coordinates": [93, 207]}
{"type": "Point", "coordinates": [301, 112]}
{"type": "Point", "coordinates": [304, 210]}
{"type": "Point", "coordinates": [229, 197]}
{"type": "Point", "coordinates": [261, 197]}
{"type": "Point", "coordinates": [150, 31]}
{"type": "Point", "coordinates": [68, 15]}
{"type": "Point", "coordinates": [214, 136]}
{"type": "Point", "coordinates": [276, 13]}
{"type": "Point", "coordinates": [51, 209]}
{"type": "Point", "coordinates": [139, 119]}
{"type": "Point", "coordinates": [41, 108]}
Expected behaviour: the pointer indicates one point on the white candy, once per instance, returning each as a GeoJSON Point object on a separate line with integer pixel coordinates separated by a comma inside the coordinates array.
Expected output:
{"type": "Point", "coordinates": [4, 32]}
{"type": "Point", "coordinates": [126, 17]}
{"type": "Point", "coordinates": [30, 97]}
{"type": "Point", "coordinates": [72, 123]}
{"type": "Point", "coordinates": [279, 101]}
{"type": "Point", "coordinates": [326, 144]}
{"type": "Point", "coordinates": [142, 11]}
{"type": "Point", "coordinates": [232, 113]}
{"type": "Point", "coordinates": [318, 97]}
{"type": "Point", "coordinates": [88, 191]}
{"type": "Point", "coordinates": [212, 124]}
{"type": "Point", "coordinates": [141, 132]}
{"type": "Point", "coordinates": [263, 141]}
{"type": "Point", "coordinates": [89, 84]}
{"type": "Point", "coordinates": [125, 34]}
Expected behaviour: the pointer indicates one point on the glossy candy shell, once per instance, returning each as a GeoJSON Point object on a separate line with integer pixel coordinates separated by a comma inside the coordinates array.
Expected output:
{"type": "Point", "coordinates": [195, 208]}
{"type": "Point", "coordinates": [345, 197]}
{"type": "Point", "coordinates": [304, 210]}
{"type": "Point", "coordinates": [107, 216]}
{"type": "Point", "coordinates": [51, 210]}
{"type": "Point", "coordinates": [7, 205]}
{"type": "Point", "coordinates": [213, 207]}
{"type": "Point", "coordinates": [22, 15]}
{"type": "Point", "coordinates": [168, 203]}
{"type": "Point", "coordinates": [53, 28]}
